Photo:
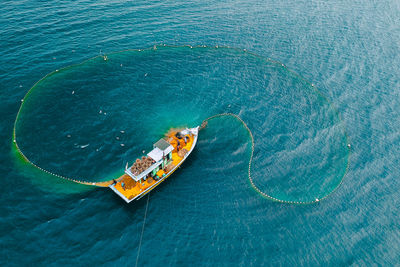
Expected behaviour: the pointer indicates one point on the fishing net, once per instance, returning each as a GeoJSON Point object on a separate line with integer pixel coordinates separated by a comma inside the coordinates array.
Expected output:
{"type": "Point", "coordinates": [88, 120]}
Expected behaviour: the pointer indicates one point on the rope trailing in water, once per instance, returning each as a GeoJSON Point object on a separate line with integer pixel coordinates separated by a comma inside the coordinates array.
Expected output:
{"type": "Point", "coordinates": [141, 235]}
{"type": "Point", "coordinates": [254, 186]}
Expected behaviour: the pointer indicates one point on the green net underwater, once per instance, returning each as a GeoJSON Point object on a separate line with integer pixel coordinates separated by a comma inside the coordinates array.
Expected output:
{"type": "Point", "coordinates": [82, 123]}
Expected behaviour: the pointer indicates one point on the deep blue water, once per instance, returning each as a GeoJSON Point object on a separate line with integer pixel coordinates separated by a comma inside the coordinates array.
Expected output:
{"type": "Point", "coordinates": [207, 213]}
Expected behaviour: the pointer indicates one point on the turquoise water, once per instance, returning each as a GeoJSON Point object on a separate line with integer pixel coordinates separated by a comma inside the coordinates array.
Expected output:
{"type": "Point", "coordinates": [207, 213]}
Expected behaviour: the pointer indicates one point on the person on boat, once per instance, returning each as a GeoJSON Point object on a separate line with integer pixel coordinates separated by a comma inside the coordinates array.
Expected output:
{"type": "Point", "coordinates": [178, 135]}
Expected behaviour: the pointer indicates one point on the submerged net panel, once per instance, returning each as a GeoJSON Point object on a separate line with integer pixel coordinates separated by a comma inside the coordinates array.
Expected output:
{"type": "Point", "coordinates": [240, 72]}
{"type": "Point", "coordinates": [252, 182]}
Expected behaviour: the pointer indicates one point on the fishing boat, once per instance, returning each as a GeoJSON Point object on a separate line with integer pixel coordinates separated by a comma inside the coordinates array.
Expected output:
{"type": "Point", "coordinates": [149, 171]}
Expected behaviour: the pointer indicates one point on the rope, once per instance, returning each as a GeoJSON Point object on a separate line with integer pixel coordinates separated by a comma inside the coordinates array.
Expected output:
{"type": "Point", "coordinates": [254, 186]}
{"type": "Point", "coordinates": [141, 236]}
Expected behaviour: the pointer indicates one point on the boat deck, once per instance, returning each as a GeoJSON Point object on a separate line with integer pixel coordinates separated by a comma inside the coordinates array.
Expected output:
{"type": "Point", "coordinates": [130, 189]}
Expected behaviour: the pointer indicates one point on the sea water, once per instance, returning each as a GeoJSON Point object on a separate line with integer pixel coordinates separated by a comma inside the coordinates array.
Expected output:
{"type": "Point", "coordinates": [206, 213]}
